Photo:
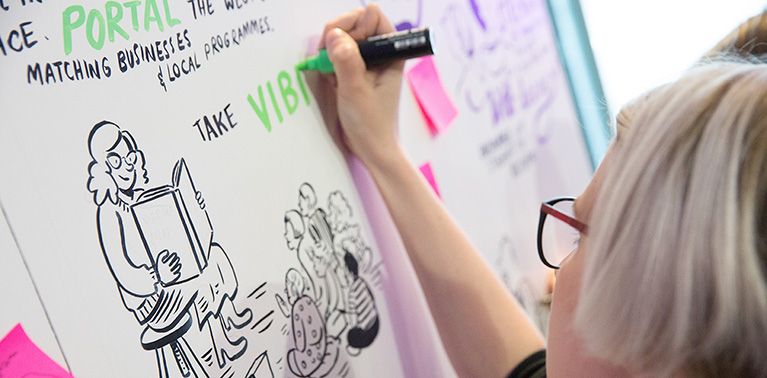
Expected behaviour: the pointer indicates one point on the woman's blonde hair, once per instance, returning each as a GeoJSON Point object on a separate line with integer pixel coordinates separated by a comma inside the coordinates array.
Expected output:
{"type": "Point", "coordinates": [674, 279]}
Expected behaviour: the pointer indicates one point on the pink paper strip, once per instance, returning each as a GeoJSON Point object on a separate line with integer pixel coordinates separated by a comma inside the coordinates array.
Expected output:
{"type": "Point", "coordinates": [20, 357]}
{"type": "Point", "coordinates": [418, 343]}
{"type": "Point", "coordinates": [429, 175]}
{"type": "Point", "coordinates": [436, 106]}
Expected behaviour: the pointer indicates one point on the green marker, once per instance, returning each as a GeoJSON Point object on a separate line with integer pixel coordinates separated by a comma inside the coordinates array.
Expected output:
{"type": "Point", "coordinates": [320, 62]}
{"type": "Point", "coordinates": [378, 50]}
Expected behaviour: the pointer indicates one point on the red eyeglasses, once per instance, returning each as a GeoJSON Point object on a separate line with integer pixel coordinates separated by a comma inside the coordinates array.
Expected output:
{"type": "Point", "coordinates": [558, 237]}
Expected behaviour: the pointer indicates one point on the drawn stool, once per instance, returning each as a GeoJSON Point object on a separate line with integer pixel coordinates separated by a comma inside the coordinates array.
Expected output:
{"type": "Point", "coordinates": [155, 340]}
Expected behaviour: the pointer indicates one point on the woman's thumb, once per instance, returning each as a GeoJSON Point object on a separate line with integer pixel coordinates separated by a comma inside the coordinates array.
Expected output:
{"type": "Point", "coordinates": [345, 55]}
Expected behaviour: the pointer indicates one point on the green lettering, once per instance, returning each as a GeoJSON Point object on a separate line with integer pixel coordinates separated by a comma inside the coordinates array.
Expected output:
{"type": "Point", "coordinates": [152, 14]}
{"type": "Point", "coordinates": [69, 24]}
{"type": "Point", "coordinates": [289, 95]}
{"type": "Point", "coordinates": [133, 6]}
{"type": "Point", "coordinates": [274, 102]}
{"type": "Point", "coordinates": [168, 18]}
{"type": "Point", "coordinates": [302, 86]}
{"type": "Point", "coordinates": [97, 42]}
{"type": "Point", "coordinates": [114, 14]}
{"type": "Point", "coordinates": [261, 111]}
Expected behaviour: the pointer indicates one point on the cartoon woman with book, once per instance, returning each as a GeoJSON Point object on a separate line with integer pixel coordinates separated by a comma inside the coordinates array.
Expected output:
{"type": "Point", "coordinates": [160, 278]}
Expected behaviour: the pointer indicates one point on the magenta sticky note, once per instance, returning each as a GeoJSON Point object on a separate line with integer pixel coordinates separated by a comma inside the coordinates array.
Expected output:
{"type": "Point", "coordinates": [20, 357]}
{"type": "Point", "coordinates": [428, 173]}
{"type": "Point", "coordinates": [436, 106]}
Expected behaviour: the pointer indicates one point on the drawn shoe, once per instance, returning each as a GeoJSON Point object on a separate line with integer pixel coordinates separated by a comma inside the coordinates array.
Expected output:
{"type": "Point", "coordinates": [237, 320]}
{"type": "Point", "coordinates": [231, 350]}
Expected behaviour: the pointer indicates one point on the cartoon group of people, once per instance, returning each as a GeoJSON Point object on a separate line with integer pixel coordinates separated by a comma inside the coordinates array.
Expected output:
{"type": "Point", "coordinates": [327, 301]}
{"type": "Point", "coordinates": [149, 281]}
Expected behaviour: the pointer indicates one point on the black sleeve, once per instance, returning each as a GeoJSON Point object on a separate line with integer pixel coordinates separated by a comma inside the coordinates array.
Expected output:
{"type": "Point", "coordinates": [534, 366]}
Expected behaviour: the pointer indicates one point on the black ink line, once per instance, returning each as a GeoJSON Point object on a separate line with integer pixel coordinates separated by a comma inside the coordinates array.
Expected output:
{"type": "Point", "coordinates": [34, 285]}
{"type": "Point", "coordinates": [226, 372]}
{"type": "Point", "coordinates": [262, 319]}
{"type": "Point", "coordinates": [266, 327]}
{"type": "Point", "coordinates": [197, 360]}
{"type": "Point", "coordinates": [257, 289]}
{"type": "Point", "coordinates": [261, 295]}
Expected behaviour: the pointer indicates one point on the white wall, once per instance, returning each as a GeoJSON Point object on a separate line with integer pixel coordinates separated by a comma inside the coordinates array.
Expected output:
{"type": "Point", "coordinates": [641, 44]}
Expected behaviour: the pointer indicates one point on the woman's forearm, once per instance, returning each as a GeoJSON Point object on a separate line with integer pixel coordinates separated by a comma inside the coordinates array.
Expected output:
{"type": "Point", "coordinates": [484, 330]}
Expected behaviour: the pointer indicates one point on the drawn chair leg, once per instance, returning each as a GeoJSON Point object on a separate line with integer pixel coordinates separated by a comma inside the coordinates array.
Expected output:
{"type": "Point", "coordinates": [162, 363]}
{"type": "Point", "coordinates": [170, 345]}
{"type": "Point", "coordinates": [181, 359]}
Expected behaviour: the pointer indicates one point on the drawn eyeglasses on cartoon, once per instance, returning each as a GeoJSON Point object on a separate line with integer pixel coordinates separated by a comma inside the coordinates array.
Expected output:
{"type": "Point", "coordinates": [170, 272]}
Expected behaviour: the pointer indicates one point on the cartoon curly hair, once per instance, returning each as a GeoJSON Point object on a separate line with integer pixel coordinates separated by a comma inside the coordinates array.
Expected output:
{"type": "Point", "coordinates": [104, 137]}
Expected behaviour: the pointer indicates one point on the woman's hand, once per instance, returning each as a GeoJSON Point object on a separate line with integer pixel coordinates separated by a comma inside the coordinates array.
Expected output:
{"type": "Point", "coordinates": [359, 106]}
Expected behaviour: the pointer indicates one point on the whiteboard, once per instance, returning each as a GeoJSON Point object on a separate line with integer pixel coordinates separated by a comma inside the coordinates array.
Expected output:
{"type": "Point", "coordinates": [183, 210]}
{"type": "Point", "coordinates": [22, 303]}
{"type": "Point", "coordinates": [517, 140]}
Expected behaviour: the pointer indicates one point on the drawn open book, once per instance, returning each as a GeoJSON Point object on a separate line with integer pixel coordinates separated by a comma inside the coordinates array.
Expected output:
{"type": "Point", "coordinates": [169, 217]}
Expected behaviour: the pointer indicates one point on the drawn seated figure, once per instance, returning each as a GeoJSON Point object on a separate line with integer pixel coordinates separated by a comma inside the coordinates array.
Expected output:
{"type": "Point", "coordinates": [315, 353]}
{"type": "Point", "coordinates": [362, 310]}
{"type": "Point", "coordinates": [331, 285]}
{"type": "Point", "coordinates": [149, 289]}
{"type": "Point", "coordinates": [294, 234]}
{"type": "Point", "coordinates": [347, 236]}
{"type": "Point", "coordinates": [295, 287]}
{"type": "Point", "coordinates": [323, 266]}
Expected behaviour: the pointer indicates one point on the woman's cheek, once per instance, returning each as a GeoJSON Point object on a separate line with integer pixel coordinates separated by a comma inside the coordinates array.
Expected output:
{"type": "Point", "coordinates": [566, 354]}
{"type": "Point", "coordinates": [563, 345]}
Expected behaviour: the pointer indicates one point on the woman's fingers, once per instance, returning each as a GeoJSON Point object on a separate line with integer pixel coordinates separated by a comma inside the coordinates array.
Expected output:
{"type": "Point", "coordinates": [360, 24]}
{"type": "Point", "coordinates": [374, 22]}
{"type": "Point", "coordinates": [347, 61]}
{"type": "Point", "coordinates": [345, 21]}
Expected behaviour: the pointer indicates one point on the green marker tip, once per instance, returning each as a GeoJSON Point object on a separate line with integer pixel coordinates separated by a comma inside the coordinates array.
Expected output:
{"type": "Point", "coordinates": [320, 62]}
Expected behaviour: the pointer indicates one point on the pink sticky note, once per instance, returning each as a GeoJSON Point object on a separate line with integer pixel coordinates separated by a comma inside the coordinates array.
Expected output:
{"type": "Point", "coordinates": [436, 106]}
{"type": "Point", "coordinates": [20, 357]}
{"type": "Point", "coordinates": [429, 175]}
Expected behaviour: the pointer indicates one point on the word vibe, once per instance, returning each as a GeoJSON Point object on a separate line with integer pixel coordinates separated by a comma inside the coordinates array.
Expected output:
{"type": "Point", "coordinates": [100, 25]}
{"type": "Point", "coordinates": [268, 111]}
{"type": "Point", "coordinates": [216, 125]}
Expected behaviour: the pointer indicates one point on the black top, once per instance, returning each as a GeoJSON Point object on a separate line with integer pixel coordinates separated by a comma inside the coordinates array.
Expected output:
{"type": "Point", "coordinates": [534, 366]}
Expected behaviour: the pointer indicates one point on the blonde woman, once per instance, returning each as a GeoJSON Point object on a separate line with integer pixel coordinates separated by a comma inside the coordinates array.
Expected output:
{"type": "Point", "coordinates": [669, 277]}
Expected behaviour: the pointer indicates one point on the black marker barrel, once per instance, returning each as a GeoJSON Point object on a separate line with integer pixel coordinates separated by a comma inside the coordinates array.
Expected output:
{"type": "Point", "coordinates": [399, 45]}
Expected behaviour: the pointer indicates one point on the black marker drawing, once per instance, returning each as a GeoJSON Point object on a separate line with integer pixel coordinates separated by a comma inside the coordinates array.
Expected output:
{"type": "Point", "coordinates": [507, 264]}
{"type": "Point", "coordinates": [170, 271]}
{"type": "Point", "coordinates": [327, 295]}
